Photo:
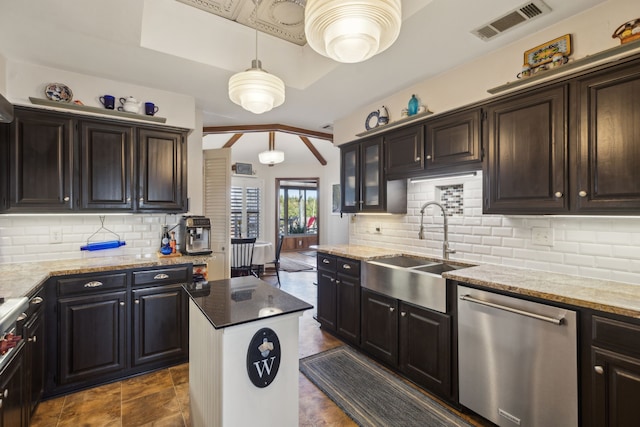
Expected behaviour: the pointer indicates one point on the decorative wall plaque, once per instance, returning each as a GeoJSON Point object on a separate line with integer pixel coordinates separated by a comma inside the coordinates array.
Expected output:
{"type": "Point", "coordinates": [263, 357]}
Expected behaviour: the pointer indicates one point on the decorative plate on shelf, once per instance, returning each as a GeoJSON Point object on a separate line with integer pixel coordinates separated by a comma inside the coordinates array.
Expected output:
{"type": "Point", "coordinates": [544, 53]}
{"type": "Point", "coordinates": [372, 120]}
{"type": "Point", "coordinates": [58, 92]}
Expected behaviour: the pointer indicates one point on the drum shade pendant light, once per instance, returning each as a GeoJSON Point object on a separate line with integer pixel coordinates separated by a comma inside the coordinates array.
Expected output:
{"type": "Point", "coordinates": [256, 90]}
{"type": "Point", "coordinates": [271, 156]}
{"type": "Point", "coordinates": [352, 30]}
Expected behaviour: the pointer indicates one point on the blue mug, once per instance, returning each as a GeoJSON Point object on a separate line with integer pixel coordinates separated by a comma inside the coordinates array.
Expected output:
{"type": "Point", "coordinates": [150, 108]}
{"type": "Point", "coordinates": [108, 101]}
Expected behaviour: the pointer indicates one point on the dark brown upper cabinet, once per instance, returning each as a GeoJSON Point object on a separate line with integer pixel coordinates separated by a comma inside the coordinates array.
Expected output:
{"type": "Point", "coordinates": [607, 155]}
{"type": "Point", "coordinates": [107, 165]}
{"type": "Point", "coordinates": [41, 166]}
{"type": "Point", "coordinates": [62, 162]}
{"type": "Point", "coordinates": [365, 187]}
{"type": "Point", "coordinates": [526, 165]}
{"type": "Point", "coordinates": [162, 171]}
{"type": "Point", "coordinates": [404, 152]}
{"type": "Point", "coordinates": [453, 142]}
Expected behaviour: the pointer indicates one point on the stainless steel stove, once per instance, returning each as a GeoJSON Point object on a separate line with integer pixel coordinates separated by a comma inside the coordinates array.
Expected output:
{"type": "Point", "coordinates": [10, 312]}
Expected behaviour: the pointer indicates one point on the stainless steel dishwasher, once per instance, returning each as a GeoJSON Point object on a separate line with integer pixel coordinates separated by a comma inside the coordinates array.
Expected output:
{"type": "Point", "coordinates": [517, 360]}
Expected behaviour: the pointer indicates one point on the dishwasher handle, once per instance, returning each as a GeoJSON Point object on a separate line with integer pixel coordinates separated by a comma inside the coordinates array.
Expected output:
{"type": "Point", "coordinates": [553, 320]}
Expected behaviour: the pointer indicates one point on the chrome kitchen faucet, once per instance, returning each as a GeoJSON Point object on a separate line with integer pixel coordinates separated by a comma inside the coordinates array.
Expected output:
{"type": "Point", "coordinates": [445, 244]}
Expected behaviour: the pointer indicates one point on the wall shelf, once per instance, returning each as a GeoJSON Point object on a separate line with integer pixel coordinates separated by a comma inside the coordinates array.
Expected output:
{"type": "Point", "coordinates": [589, 59]}
{"type": "Point", "coordinates": [72, 106]}
{"type": "Point", "coordinates": [397, 123]}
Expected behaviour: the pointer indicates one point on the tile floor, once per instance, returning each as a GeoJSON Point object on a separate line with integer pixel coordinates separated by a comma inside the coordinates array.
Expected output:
{"type": "Point", "coordinates": [161, 398]}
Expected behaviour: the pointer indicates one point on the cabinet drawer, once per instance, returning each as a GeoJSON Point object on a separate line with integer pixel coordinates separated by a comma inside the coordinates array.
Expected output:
{"type": "Point", "coordinates": [326, 262]}
{"type": "Point", "coordinates": [615, 335]}
{"type": "Point", "coordinates": [91, 283]}
{"type": "Point", "coordinates": [162, 276]}
{"type": "Point", "coordinates": [349, 267]}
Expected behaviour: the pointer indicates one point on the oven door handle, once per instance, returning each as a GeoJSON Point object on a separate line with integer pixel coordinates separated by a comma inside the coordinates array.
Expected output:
{"type": "Point", "coordinates": [553, 320]}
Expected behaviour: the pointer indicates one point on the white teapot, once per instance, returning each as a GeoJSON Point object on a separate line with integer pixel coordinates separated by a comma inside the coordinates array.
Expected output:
{"type": "Point", "coordinates": [129, 104]}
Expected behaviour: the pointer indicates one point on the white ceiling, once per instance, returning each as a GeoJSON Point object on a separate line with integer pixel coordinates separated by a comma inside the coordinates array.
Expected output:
{"type": "Point", "coordinates": [173, 46]}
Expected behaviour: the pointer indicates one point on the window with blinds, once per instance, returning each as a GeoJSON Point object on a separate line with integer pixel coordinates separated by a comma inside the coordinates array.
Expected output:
{"type": "Point", "coordinates": [245, 211]}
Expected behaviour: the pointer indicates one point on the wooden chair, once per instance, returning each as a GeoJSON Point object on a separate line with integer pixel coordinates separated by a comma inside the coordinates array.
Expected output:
{"type": "Point", "coordinates": [242, 256]}
{"type": "Point", "coordinates": [276, 261]}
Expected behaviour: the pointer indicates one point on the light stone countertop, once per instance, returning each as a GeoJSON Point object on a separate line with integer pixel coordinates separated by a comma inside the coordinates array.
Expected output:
{"type": "Point", "coordinates": [362, 253]}
{"type": "Point", "coordinates": [21, 279]}
{"type": "Point", "coordinates": [603, 295]}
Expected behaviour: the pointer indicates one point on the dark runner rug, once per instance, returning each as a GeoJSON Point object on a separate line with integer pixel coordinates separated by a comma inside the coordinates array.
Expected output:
{"type": "Point", "coordinates": [291, 266]}
{"type": "Point", "coordinates": [372, 396]}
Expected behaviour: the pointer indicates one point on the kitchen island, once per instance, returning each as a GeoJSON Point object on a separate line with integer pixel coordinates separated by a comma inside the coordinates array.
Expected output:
{"type": "Point", "coordinates": [243, 353]}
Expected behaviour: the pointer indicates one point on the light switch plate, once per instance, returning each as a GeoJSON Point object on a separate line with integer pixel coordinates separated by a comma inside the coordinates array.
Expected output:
{"type": "Point", "coordinates": [542, 236]}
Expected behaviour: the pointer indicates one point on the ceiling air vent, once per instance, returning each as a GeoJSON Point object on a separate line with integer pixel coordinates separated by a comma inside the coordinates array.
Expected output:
{"type": "Point", "coordinates": [524, 13]}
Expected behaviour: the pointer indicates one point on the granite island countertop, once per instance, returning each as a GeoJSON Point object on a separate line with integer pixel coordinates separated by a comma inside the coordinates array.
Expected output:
{"type": "Point", "coordinates": [597, 294]}
{"type": "Point", "coordinates": [238, 300]}
{"type": "Point", "coordinates": [21, 279]}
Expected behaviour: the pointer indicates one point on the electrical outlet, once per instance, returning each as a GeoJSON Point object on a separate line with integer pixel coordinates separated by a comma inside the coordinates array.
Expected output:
{"type": "Point", "coordinates": [542, 236]}
{"type": "Point", "coordinates": [55, 235]}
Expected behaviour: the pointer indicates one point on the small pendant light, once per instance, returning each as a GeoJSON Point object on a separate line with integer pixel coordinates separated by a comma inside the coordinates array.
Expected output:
{"type": "Point", "coordinates": [255, 89]}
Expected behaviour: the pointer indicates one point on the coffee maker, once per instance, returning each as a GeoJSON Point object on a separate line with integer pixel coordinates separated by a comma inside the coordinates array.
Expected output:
{"type": "Point", "coordinates": [195, 235]}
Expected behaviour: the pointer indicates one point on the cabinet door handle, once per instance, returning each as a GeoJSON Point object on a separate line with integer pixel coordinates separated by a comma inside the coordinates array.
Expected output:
{"type": "Point", "coordinates": [417, 158]}
{"type": "Point", "coordinates": [599, 369]}
{"type": "Point", "coordinates": [392, 309]}
{"type": "Point", "coordinates": [428, 157]}
{"type": "Point", "coordinates": [141, 200]}
{"type": "Point", "coordinates": [122, 303]}
{"type": "Point", "coordinates": [325, 261]}
{"type": "Point", "coordinates": [6, 393]}
{"type": "Point", "coordinates": [558, 194]}
{"type": "Point", "coordinates": [128, 199]}
{"type": "Point", "coordinates": [137, 301]}
{"type": "Point", "coordinates": [32, 339]}
{"type": "Point", "coordinates": [337, 282]}
{"type": "Point", "coordinates": [37, 300]}
{"type": "Point", "coordinates": [346, 266]}
{"type": "Point", "coordinates": [403, 313]}
{"type": "Point", "coordinates": [66, 199]}
{"type": "Point", "coordinates": [161, 276]}
{"type": "Point", "coordinates": [93, 284]}
{"type": "Point", "coordinates": [582, 193]}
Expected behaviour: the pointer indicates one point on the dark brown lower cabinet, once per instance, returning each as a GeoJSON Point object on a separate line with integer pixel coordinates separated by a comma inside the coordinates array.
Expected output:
{"type": "Point", "coordinates": [425, 348]}
{"type": "Point", "coordinates": [12, 393]}
{"type": "Point", "coordinates": [34, 334]}
{"type": "Point", "coordinates": [92, 336]}
{"type": "Point", "coordinates": [339, 296]}
{"type": "Point", "coordinates": [616, 389]}
{"type": "Point", "coordinates": [110, 325]}
{"type": "Point", "coordinates": [348, 308]}
{"type": "Point", "coordinates": [614, 372]}
{"type": "Point", "coordinates": [415, 340]}
{"type": "Point", "coordinates": [379, 335]}
{"type": "Point", "coordinates": [160, 324]}
{"type": "Point", "coordinates": [327, 315]}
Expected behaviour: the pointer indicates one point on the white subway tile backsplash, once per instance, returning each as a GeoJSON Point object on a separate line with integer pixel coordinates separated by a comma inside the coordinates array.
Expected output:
{"type": "Point", "coordinates": [27, 239]}
{"type": "Point", "coordinates": [594, 249]}
{"type": "Point", "coordinates": [580, 260]}
{"type": "Point", "coordinates": [589, 246]}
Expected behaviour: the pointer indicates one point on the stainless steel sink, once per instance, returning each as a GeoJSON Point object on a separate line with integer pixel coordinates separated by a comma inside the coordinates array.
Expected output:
{"type": "Point", "coordinates": [403, 261]}
{"type": "Point", "coordinates": [409, 279]}
{"type": "Point", "coordinates": [438, 268]}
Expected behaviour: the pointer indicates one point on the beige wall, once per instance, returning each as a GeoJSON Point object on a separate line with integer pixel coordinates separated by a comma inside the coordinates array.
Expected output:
{"type": "Point", "coordinates": [3, 76]}
{"type": "Point", "coordinates": [591, 32]}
